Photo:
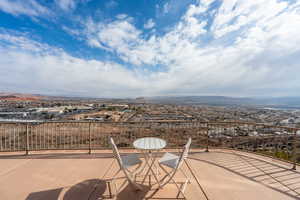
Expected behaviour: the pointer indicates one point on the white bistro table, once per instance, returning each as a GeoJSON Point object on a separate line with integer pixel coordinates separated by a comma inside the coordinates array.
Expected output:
{"type": "Point", "coordinates": [148, 145]}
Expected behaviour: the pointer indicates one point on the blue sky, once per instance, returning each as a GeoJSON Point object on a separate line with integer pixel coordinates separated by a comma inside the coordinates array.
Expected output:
{"type": "Point", "coordinates": [150, 47]}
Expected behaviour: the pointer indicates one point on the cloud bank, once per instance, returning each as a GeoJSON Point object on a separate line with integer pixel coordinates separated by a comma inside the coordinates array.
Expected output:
{"type": "Point", "coordinates": [238, 48]}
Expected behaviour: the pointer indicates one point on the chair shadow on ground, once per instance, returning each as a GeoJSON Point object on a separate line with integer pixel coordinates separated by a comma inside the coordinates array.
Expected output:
{"type": "Point", "coordinates": [147, 193]}
{"type": "Point", "coordinates": [128, 194]}
{"type": "Point", "coordinates": [47, 194]}
{"type": "Point", "coordinates": [270, 174]}
{"type": "Point", "coordinates": [92, 189]}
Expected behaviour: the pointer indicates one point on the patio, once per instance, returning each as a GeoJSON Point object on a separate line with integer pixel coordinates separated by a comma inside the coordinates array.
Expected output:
{"type": "Point", "coordinates": [65, 175]}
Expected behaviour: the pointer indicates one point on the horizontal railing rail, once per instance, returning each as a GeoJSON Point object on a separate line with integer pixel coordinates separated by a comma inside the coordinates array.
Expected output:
{"type": "Point", "coordinates": [276, 141]}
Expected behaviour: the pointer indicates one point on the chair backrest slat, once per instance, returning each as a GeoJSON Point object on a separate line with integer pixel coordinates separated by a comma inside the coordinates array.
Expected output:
{"type": "Point", "coordinates": [184, 153]}
{"type": "Point", "coordinates": [116, 152]}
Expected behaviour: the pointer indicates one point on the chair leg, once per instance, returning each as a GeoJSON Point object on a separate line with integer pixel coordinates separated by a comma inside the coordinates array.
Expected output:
{"type": "Point", "coordinates": [194, 176]}
{"type": "Point", "coordinates": [166, 172]}
{"type": "Point", "coordinates": [172, 179]}
{"type": "Point", "coordinates": [118, 189]}
{"type": "Point", "coordinates": [148, 171]}
{"type": "Point", "coordinates": [182, 189]}
{"type": "Point", "coordinates": [109, 189]}
{"type": "Point", "coordinates": [114, 182]}
{"type": "Point", "coordinates": [178, 187]}
{"type": "Point", "coordinates": [185, 175]}
{"type": "Point", "coordinates": [132, 184]}
{"type": "Point", "coordinates": [139, 169]}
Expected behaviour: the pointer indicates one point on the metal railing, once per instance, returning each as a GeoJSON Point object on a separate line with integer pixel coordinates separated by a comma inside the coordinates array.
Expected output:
{"type": "Point", "coordinates": [280, 142]}
{"type": "Point", "coordinates": [94, 135]}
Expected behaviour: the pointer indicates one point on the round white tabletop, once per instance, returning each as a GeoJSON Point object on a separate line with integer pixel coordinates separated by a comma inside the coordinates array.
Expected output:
{"type": "Point", "coordinates": [149, 143]}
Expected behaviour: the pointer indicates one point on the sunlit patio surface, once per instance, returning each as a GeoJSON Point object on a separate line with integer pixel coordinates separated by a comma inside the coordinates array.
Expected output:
{"type": "Point", "coordinates": [76, 175]}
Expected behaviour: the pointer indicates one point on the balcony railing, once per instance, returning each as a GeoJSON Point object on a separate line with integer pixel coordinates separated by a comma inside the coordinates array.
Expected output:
{"type": "Point", "coordinates": [280, 142]}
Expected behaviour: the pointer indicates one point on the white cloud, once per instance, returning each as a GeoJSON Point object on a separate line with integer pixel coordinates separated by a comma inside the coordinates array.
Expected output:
{"type": "Point", "coordinates": [119, 36]}
{"type": "Point", "coordinates": [121, 16]}
{"type": "Point", "coordinates": [232, 15]}
{"type": "Point", "coordinates": [166, 8]}
{"type": "Point", "coordinates": [122, 37]}
{"type": "Point", "coordinates": [150, 24]}
{"type": "Point", "coordinates": [19, 7]}
{"type": "Point", "coordinates": [73, 32]}
{"type": "Point", "coordinates": [66, 5]}
{"type": "Point", "coordinates": [13, 41]}
{"type": "Point", "coordinates": [111, 4]}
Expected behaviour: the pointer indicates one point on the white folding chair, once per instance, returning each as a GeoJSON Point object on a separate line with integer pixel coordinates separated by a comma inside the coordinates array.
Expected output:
{"type": "Point", "coordinates": [174, 162]}
{"type": "Point", "coordinates": [125, 162]}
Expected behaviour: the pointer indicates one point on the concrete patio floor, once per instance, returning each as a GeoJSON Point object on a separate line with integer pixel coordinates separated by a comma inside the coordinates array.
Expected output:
{"type": "Point", "coordinates": [223, 174]}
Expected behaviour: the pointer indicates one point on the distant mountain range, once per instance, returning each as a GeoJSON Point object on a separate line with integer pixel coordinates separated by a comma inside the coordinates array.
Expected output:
{"type": "Point", "coordinates": [288, 102]}
{"type": "Point", "coordinates": [273, 102]}
{"type": "Point", "coordinates": [19, 97]}
{"type": "Point", "coordinates": [35, 97]}
{"type": "Point", "coordinates": [199, 100]}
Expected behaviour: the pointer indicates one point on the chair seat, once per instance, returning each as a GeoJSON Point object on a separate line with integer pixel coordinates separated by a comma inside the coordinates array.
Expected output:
{"type": "Point", "coordinates": [130, 160]}
{"type": "Point", "coordinates": [169, 160]}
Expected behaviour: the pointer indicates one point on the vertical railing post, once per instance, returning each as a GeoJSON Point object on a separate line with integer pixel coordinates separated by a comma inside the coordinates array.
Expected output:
{"type": "Point", "coordinates": [207, 137]}
{"type": "Point", "coordinates": [233, 134]}
{"type": "Point", "coordinates": [27, 139]}
{"type": "Point", "coordinates": [1, 140]}
{"type": "Point", "coordinates": [294, 153]}
{"type": "Point", "coordinates": [90, 139]}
